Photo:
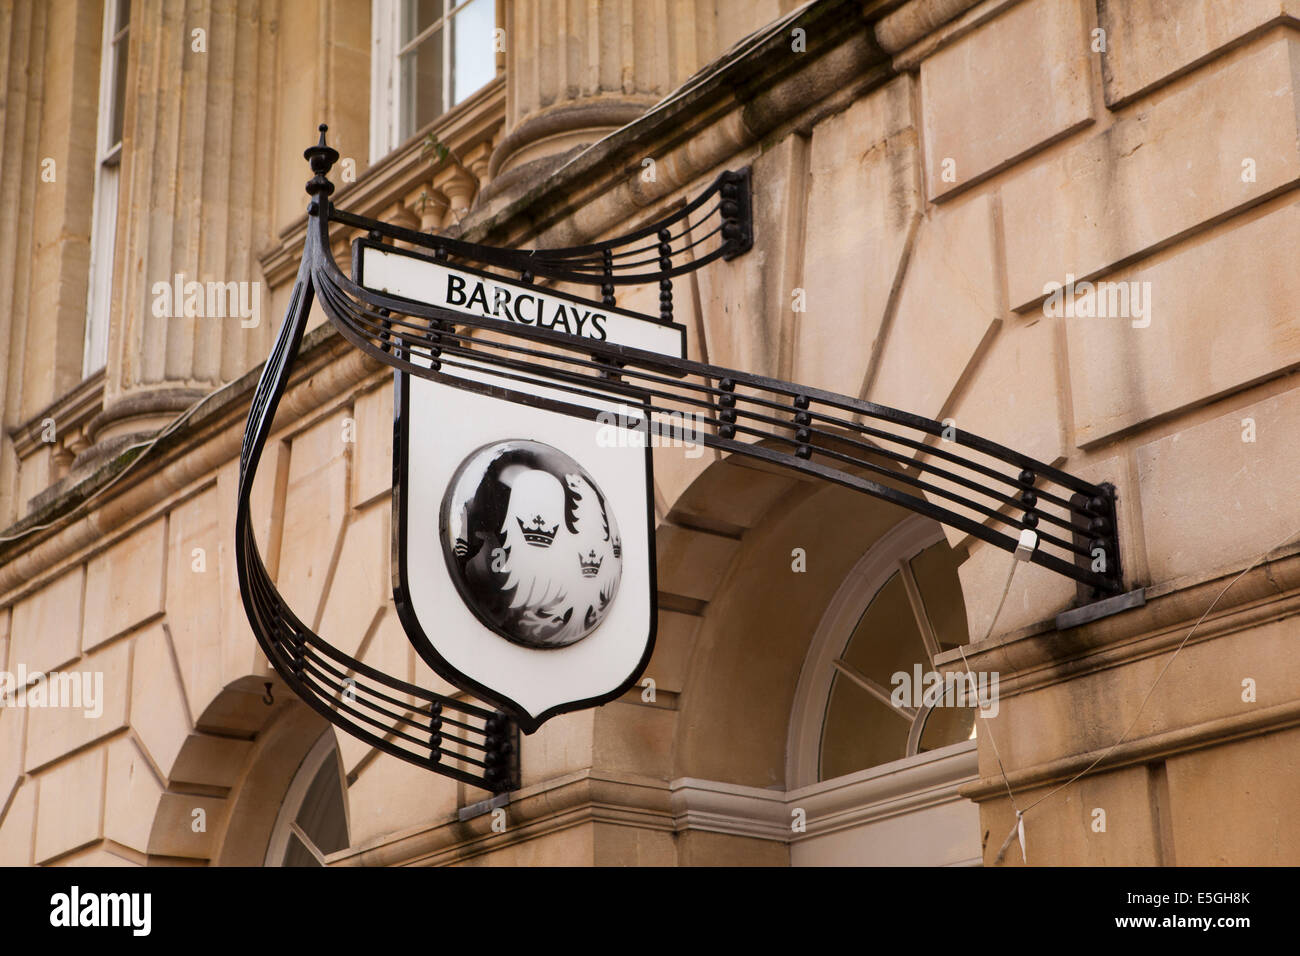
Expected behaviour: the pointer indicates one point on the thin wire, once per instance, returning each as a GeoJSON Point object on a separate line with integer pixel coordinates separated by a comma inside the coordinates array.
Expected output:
{"type": "Point", "coordinates": [146, 445]}
{"type": "Point", "coordinates": [1291, 536]}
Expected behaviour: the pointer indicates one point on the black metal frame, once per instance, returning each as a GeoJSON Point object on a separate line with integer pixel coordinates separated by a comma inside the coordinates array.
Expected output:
{"type": "Point", "coordinates": [984, 488]}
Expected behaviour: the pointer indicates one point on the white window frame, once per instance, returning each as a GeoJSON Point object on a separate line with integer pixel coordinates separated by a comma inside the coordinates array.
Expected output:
{"type": "Point", "coordinates": [872, 572]}
{"type": "Point", "coordinates": [325, 748]}
{"type": "Point", "coordinates": [108, 165]}
{"type": "Point", "coordinates": [386, 95]}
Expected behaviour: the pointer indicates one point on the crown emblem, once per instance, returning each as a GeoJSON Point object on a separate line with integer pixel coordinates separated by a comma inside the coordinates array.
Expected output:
{"type": "Point", "coordinates": [617, 545]}
{"type": "Point", "coordinates": [590, 565]}
{"type": "Point", "coordinates": [535, 532]}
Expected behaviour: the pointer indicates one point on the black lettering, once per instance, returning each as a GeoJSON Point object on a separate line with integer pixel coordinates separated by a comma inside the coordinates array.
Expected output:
{"type": "Point", "coordinates": [561, 319]}
{"type": "Point", "coordinates": [581, 320]}
{"type": "Point", "coordinates": [479, 296]}
{"type": "Point", "coordinates": [455, 290]}
{"type": "Point", "coordinates": [519, 309]}
{"type": "Point", "coordinates": [501, 300]}
{"type": "Point", "coordinates": [596, 321]}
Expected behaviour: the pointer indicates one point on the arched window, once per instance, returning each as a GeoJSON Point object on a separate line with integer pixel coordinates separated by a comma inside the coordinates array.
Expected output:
{"type": "Point", "coordinates": [859, 702]}
{"type": "Point", "coordinates": [313, 819]}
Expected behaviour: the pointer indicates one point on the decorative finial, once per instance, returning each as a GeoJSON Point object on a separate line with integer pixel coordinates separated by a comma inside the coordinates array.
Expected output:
{"type": "Point", "coordinates": [321, 156]}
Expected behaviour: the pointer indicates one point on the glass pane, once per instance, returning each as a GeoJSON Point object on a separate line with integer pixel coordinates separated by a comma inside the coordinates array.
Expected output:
{"type": "Point", "coordinates": [886, 639]}
{"type": "Point", "coordinates": [118, 106]}
{"type": "Point", "coordinates": [474, 61]}
{"type": "Point", "coordinates": [935, 570]}
{"type": "Point", "coordinates": [859, 731]}
{"type": "Point", "coordinates": [322, 815]}
{"type": "Point", "coordinates": [418, 16]}
{"type": "Point", "coordinates": [422, 85]}
{"type": "Point", "coordinates": [946, 726]}
{"type": "Point", "coordinates": [297, 854]}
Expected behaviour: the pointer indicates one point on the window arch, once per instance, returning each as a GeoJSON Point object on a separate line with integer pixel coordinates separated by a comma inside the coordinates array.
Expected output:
{"type": "Point", "coordinates": [313, 819]}
{"type": "Point", "coordinates": [898, 608]}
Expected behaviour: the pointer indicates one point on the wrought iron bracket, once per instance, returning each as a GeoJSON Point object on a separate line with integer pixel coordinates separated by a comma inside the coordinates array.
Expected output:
{"type": "Point", "coordinates": [981, 488]}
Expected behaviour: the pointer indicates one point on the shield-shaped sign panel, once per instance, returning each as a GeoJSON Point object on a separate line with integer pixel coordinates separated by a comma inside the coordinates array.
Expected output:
{"type": "Point", "coordinates": [523, 522]}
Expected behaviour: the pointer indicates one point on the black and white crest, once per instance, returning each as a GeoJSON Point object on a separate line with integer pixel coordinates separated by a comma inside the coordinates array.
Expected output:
{"type": "Point", "coordinates": [523, 523]}
{"type": "Point", "coordinates": [530, 543]}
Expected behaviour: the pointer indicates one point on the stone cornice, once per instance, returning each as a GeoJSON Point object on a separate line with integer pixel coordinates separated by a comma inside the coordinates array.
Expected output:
{"type": "Point", "coordinates": [682, 805]}
{"type": "Point", "coordinates": [1039, 655]}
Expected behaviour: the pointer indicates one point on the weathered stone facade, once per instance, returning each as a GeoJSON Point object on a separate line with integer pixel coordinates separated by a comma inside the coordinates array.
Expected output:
{"type": "Point", "coordinates": [923, 171]}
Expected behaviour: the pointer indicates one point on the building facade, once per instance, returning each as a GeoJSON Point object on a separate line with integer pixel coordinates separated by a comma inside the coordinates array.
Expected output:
{"type": "Point", "coordinates": [1058, 224]}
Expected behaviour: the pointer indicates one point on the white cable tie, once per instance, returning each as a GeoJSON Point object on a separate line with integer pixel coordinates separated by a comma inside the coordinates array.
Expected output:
{"type": "Point", "coordinates": [1028, 544]}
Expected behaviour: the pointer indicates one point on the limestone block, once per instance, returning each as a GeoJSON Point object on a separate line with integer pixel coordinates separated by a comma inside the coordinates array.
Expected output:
{"type": "Point", "coordinates": [562, 745]}
{"type": "Point", "coordinates": [46, 629]}
{"type": "Point", "coordinates": [1226, 812]}
{"type": "Point", "coordinates": [124, 584]}
{"type": "Point", "coordinates": [1227, 489]}
{"type": "Point", "coordinates": [179, 832]}
{"type": "Point", "coordinates": [372, 468]}
{"type": "Point", "coordinates": [93, 856]}
{"type": "Point", "coordinates": [362, 584]}
{"type": "Point", "coordinates": [1149, 177]}
{"type": "Point", "coordinates": [988, 101]}
{"type": "Point", "coordinates": [12, 726]}
{"type": "Point", "coordinates": [392, 795]}
{"type": "Point", "coordinates": [948, 306]}
{"type": "Point", "coordinates": [158, 711]}
{"type": "Point", "coordinates": [692, 563]}
{"type": "Point", "coordinates": [730, 495]}
{"type": "Point", "coordinates": [132, 796]}
{"type": "Point", "coordinates": [1122, 375]}
{"type": "Point", "coordinates": [211, 761]}
{"type": "Point", "coordinates": [54, 731]}
{"type": "Point", "coordinates": [674, 642]}
{"type": "Point", "coordinates": [71, 804]}
{"type": "Point", "coordinates": [196, 552]}
{"type": "Point", "coordinates": [1150, 42]}
{"type": "Point", "coordinates": [633, 846]}
{"type": "Point", "coordinates": [314, 509]}
{"type": "Point", "coordinates": [748, 319]}
{"type": "Point", "coordinates": [1090, 712]}
{"type": "Point", "coordinates": [18, 827]}
{"type": "Point", "coordinates": [677, 469]}
{"type": "Point", "coordinates": [1013, 398]}
{"type": "Point", "coordinates": [1036, 593]}
{"type": "Point", "coordinates": [1060, 831]}
{"type": "Point", "coordinates": [862, 202]}
{"type": "Point", "coordinates": [630, 738]}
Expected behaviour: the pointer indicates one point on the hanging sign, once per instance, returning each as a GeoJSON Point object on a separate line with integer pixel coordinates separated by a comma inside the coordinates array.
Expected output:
{"type": "Point", "coordinates": [523, 520]}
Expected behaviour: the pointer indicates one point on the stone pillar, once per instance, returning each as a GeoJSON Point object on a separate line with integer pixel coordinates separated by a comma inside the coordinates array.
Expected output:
{"type": "Point", "coordinates": [577, 70]}
{"type": "Point", "coordinates": [195, 202]}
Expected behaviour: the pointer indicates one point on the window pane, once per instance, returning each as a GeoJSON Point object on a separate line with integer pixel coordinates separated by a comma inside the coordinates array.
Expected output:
{"type": "Point", "coordinates": [859, 731]}
{"type": "Point", "coordinates": [935, 570]}
{"type": "Point", "coordinates": [946, 726]}
{"type": "Point", "coordinates": [297, 854]}
{"type": "Point", "coordinates": [118, 105]}
{"type": "Point", "coordinates": [418, 16]}
{"type": "Point", "coordinates": [886, 640]}
{"type": "Point", "coordinates": [474, 61]}
{"type": "Point", "coordinates": [422, 85]}
{"type": "Point", "coordinates": [322, 815]}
